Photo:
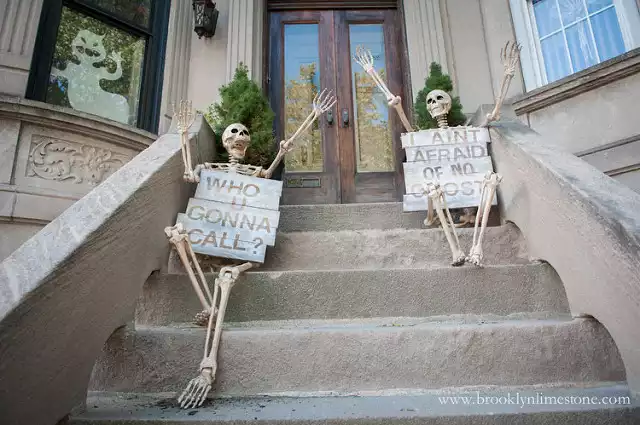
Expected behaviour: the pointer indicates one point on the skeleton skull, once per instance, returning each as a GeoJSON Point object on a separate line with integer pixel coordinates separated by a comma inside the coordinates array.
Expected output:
{"type": "Point", "coordinates": [438, 103]}
{"type": "Point", "coordinates": [235, 140]}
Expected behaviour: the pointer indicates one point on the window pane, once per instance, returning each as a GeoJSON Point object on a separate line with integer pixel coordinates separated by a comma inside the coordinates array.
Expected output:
{"type": "Point", "coordinates": [374, 146]}
{"type": "Point", "coordinates": [302, 83]}
{"type": "Point", "coordinates": [547, 17]}
{"type": "Point", "coordinates": [135, 11]}
{"type": "Point", "coordinates": [96, 68]}
{"type": "Point", "coordinates": [595, 5]}
{"type": "Point", "coordinates": [571, 10]}
{"type": "Point", "coordinates": [555, 57]}
{"type": "Point", "coordinates": [581, 47]}
{"type": "Point", "coordinates": [608, 35]}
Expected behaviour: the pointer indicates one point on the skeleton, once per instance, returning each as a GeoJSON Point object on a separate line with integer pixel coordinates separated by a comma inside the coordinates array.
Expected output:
{"type": "Point", "coordinates": [510, 55]}
{"type": "Point", "coordinates": [489, 184]}
{"type": "Point", "coordinates": [436, 196]}
{"type": "Point", "coordinates": [235, 139]}
{"type": "Point", "coordinates": [365, 59]}
{"type": "Point", "coordinates": [439, 104]}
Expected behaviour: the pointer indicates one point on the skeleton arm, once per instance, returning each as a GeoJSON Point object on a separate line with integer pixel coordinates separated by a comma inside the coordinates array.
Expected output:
{"type": "Point", "coordinates": [510, 56]}
{"type": "Point", "coordinates": [365, 59]}
{"type": "Point", "coordinates": [185, 117]}
{"type": "Point", "coordinates": [322, 102]}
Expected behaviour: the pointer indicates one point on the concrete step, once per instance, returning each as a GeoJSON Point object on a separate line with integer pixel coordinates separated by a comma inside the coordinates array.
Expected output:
{"type": "Point", "coordinates": [337, 217]}
{"type": "Point", "coordinates": [374, 249]}
{"type": "Point", "coordinates": [333, 294]}
{"type": "Point", "coordinates": [469, 406]}
{"type": "Point", "coordinates": [364, 355]}
{"type": "Point", "coordinates": [363, 249]}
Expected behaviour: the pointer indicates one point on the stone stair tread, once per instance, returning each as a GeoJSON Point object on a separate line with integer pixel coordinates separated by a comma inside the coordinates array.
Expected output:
{"type": "Point", "coordinates": [393, 407]}
{"type": "Point", "coordinates": [332, 356]}
{"type": "Point", "coordinates": [377, 323]}
{"type": "Point", "coordinates": [380, 248]}
{"type": "Point", "coordinates": [412, 291]}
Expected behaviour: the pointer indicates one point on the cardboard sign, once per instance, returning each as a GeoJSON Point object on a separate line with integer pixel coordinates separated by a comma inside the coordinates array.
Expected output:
{"type": "Point", "coordinates": [237, 189]}
{"type": "Point", "coordinates": [455, 157]}
{"type": "Point", "coordinates": [439, 153]}
{"type": "Point", "coordinates": [445, 136]}
{"type": "Point", "coordinates": [222, 243]}
{"type": "Point", "coordinates": [233, 216]}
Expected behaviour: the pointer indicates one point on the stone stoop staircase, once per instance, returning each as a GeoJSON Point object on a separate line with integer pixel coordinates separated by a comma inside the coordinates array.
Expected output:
{"type": "Point", "coordinates": [358, 318]}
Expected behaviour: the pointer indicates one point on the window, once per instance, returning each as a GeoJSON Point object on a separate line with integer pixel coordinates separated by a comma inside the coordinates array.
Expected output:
{"type": "Point", "coordinates": [562, 37]}
{"type": "Point", "coordinates": [103, 57]}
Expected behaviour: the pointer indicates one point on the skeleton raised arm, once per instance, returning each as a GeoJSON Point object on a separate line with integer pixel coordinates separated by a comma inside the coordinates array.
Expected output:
{"type": "Point", "coordinates": [322, 102]}
{"type": "Point", "coordinates": [365, 59]}
{"type": "Point", "coordinates": [185, 117]}
{"type": "Point", "coordinates": [510, 56]}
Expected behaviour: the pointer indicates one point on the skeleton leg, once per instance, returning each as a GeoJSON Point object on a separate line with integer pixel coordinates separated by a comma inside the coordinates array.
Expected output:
{"type": "Point", "coordinates": [365, 59]}
{"type": "Point", "coordinates": [489, 185]}
{"type": "Point", "coordinates": [436, 193]}
{"type": "Point", "coordinates": [198, 388]}
{"type": "Point", "coordinates": [180, 240]}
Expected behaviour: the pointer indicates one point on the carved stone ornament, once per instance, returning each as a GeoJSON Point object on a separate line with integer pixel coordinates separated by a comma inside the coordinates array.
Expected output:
{"type": "Point", "coordinates": [59, 160]}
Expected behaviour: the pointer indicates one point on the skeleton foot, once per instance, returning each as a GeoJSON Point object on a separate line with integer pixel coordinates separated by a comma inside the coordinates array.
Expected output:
{"type": "Point", "coordinates": [202, 318]}
{"type": "Point", "coordinates": [196, 392]}
{"type": "Point", "coordinates": [475, 255]}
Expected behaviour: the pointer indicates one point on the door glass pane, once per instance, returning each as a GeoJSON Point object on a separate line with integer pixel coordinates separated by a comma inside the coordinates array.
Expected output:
{"type": "Point", "coordinates": [301, 84]}
{"type": "Point", "coordinates": [134, 11]}
{"type": "Point", "coordinates": [96, 68]}
{"type": "Point", "coordinates": [595, 5]}
{"type": "Point", "coordinates": [374, 148]}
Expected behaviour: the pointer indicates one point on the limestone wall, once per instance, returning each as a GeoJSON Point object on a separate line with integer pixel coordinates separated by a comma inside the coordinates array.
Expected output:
{"type": "Point", "coordinates": [49, 158]}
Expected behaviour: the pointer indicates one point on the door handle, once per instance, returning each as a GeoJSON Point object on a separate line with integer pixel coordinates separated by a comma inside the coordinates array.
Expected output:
{"type": "Point", "coordinates": [330, 118]}
{"type": "Point", "coordinates": [345, 118]}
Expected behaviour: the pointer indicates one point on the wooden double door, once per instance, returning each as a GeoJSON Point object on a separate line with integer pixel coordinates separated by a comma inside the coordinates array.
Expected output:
{"type": "Point", "coordinates": [352, 153]}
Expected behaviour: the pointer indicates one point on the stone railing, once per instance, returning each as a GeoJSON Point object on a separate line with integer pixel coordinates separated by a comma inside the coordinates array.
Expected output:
{"type": "Point", "coordinates": [49, 158]}
{"type": "Point", "coordinates": [66, 289]}
{"type": "Point", "coordinates": [585, 224]}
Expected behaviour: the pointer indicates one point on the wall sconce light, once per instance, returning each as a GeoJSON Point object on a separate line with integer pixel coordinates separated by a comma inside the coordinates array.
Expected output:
{"type": "Point", "coordinates": [206, 18]}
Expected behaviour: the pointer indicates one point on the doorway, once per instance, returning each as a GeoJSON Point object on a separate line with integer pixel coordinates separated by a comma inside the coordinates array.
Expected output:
{"type": "Point", "coordinates": [352, 154]}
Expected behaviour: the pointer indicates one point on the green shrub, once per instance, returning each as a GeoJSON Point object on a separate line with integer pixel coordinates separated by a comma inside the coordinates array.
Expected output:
{"type": "Point", "coordinates": [244, 102]}
{"type": "Point", "coordinates": [437, 80]}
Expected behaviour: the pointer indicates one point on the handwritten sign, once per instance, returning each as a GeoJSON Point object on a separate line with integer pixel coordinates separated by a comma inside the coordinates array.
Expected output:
{"type": "Point", "coordinates": [233, 216]}
{"type": "Point", "coordinates": [457, 158]}
{"type": "Point", "coordinates": [445, 136]}
{"type": "Point", "coordinates": [206, 239]}
{"type": "Point", "coordinates": [248, 222]}
{"type": "Point", "coordinates": [446, 152]}
{"type": "Point", "coordinates": [237, 189]}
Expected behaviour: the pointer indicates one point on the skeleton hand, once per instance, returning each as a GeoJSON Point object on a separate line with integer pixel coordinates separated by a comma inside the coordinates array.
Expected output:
{"type": "Point", "coordinates": [510, 55]}
{"type": "Point", "coordinates": [364, 58]}
{"type": "Point", "coordinates": [184, 116]}
{"type": "Point", "coordinates": [196, 392]}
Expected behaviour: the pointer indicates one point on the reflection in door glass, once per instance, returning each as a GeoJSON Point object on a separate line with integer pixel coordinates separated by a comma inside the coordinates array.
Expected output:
{"type": "Point", "coordinates": [373, 135]}
{"type": "Point", "coordinates": [301, 83]}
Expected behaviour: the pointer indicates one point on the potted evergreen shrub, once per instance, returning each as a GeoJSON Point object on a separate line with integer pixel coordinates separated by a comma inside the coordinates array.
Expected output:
{"type": "Point", "coordinates": [243, 101]}
{"type": "Point", "coordinates": [437, 80]}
